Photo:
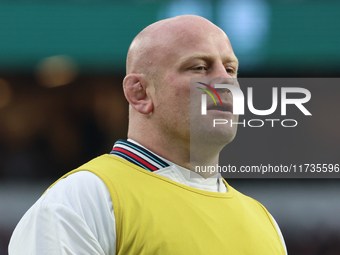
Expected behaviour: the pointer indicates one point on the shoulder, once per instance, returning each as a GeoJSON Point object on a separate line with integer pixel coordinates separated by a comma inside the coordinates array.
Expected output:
{"type": "Point", "coordinates": [85, 194]}
{"type": "Point", "coordinates": [82, 187]}
{"type": "Point", "coordinates": [76, 211]}
{"type": "Point", "coordinates": [280, 234]}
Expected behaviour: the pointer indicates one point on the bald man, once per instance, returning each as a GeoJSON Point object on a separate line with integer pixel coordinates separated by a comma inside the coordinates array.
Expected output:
{"type": "Point", "coordinates": [142, 198]}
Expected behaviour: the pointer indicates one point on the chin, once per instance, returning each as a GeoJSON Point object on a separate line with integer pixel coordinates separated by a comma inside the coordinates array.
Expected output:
{"type": "Point", "coordinates": [203, 133]}
{"type": "Point", "coordinates": [223, 139]}
{"type": "Point", "coordinates": [218, 137]}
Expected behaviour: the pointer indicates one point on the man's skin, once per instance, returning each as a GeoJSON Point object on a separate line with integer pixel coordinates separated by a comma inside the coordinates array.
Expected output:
{"type": "Point", "coordinates": [161, 60]}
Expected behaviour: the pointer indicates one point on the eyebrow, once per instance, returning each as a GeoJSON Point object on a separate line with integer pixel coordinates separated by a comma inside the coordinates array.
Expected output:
{"type": "Point", "coordinates": [209, 57]}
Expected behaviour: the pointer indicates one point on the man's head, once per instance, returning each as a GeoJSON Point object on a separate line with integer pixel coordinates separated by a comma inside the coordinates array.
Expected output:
{"type": "Point", "coordinates": [160, 62]}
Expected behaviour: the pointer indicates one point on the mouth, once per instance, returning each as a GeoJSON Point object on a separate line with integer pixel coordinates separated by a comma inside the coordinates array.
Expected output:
{"type": "Point", "coordinates": [226, 107]}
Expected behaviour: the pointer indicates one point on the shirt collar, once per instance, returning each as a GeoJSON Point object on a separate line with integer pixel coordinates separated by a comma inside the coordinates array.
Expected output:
{"type": "Point", "coordinates": [141, 156]}
{"type": "Point", "coordinates": [138, 155]}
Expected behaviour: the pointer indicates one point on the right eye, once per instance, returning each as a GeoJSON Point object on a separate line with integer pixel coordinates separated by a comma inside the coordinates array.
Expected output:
{"type": "Point", "coordinates": [200, 68]}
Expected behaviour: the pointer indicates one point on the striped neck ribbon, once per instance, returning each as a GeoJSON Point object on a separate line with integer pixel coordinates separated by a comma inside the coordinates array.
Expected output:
{"type": "Point", "coordinates": [138, 155]}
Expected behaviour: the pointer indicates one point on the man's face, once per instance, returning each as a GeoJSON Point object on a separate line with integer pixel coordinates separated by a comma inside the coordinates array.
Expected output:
{"type": "Point", "coordinates": [194, 52]}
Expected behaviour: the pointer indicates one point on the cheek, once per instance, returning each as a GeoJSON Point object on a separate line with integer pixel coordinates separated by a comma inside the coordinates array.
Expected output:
{"type": "Point", "coordinates": [177, 93]}
{"type": "Point", "coordinates": [176, 86]}
{"type": "Point", "coordinates": [176, 90]}
{"type": "Point", "coordinates": [171, 78]}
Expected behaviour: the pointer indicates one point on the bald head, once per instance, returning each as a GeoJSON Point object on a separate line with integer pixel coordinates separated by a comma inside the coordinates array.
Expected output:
{"type": "Point", "coordinates": [157, 41]}
{"type": "Point", "coordinates": [161, 61]}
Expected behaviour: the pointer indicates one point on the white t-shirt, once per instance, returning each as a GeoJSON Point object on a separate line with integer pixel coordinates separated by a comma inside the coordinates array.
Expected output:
{"type": "Point", "coordinates": [76, 215]}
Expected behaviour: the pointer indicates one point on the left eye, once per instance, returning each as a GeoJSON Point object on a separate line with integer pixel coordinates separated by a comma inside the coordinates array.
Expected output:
{"type": "Point", "coordinates": [199, 68]}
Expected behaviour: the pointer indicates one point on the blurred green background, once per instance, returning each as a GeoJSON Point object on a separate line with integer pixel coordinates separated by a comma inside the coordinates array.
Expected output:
{"type": "Point", "coordinates": [279, 37]}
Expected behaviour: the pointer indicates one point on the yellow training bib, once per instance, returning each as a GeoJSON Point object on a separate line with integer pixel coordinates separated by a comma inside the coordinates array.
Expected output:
{"type": "Point", "coordinates": [155, 215]}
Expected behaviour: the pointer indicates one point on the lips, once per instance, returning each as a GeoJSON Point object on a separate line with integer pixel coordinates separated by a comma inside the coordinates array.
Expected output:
{"type": "Point", "coordinates": [225, 107]}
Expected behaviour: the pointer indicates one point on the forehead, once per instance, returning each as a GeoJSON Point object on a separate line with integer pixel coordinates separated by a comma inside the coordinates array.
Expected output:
{"type": "Point", "coordinates": [200, 44]}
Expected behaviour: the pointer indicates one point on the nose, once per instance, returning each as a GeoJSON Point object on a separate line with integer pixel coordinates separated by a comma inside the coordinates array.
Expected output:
{"type": "Point", "coordinates": [219, 70]}
{"type": "Point", "coordinates": [219, 75]}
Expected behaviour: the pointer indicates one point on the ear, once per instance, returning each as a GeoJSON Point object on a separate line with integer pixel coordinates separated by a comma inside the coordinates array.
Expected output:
{"type": "Point", "coordinates": [137, 94]}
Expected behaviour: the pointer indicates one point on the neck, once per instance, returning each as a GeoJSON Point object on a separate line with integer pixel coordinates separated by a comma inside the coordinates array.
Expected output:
{"type": "Point", "coordinates": [197, 158]}
{"type": "Point", "coordinates": [177, 153]}
{"type": "Point", "coordinates": [204, 159]}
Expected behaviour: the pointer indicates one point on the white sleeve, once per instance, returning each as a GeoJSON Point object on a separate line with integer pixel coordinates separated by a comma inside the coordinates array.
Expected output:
{"type": "Point", "coordinates": [280, 234]}
{"type": "Point", "coordinates": [75, 216]}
